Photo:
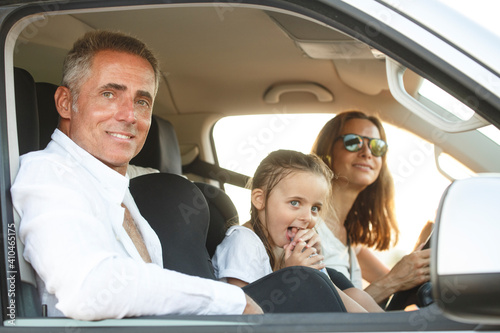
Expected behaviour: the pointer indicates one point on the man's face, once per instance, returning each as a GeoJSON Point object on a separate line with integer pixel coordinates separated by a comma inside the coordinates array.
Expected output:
{"type": "Point", "coordinates": [114, 108]}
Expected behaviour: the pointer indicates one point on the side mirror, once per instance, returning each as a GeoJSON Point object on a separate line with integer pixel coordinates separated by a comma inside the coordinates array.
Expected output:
{"type": "Point", "coordinates": [465, 267]}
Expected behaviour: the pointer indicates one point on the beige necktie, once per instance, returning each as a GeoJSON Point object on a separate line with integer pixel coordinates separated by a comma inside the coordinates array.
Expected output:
{"type": "Point", "coordinates": [135, 235]}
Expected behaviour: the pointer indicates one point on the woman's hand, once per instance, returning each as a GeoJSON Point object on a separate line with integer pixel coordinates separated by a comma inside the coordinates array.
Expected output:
{"type": "Point", "coordinates": [412, 270]}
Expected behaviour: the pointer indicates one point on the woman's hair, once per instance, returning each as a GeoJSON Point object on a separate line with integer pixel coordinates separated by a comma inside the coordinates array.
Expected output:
{"type": "Point", "coordinates": [273, 169]}
{"type": "Point", "coordinates": [78, 62]}
{"type": "Point", "coordinates": [371, 220]}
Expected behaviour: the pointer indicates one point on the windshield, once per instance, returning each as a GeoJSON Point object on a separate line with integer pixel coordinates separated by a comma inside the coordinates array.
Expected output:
{"type": "Point", "coordinates": [469, 25]}
{"type": "Point", "coordinates": [483, 12]}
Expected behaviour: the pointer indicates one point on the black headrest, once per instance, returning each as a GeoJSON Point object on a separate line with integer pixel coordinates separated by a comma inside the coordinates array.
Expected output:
{"type": "Point", "coordinates": [161, 149]}
{"type": "Point", "coordinates": [223, 214]}
{"type": "Point", "coordinates": [48, 115]}
{"type": "Point", "coordinates": [178, 213]}
{"type": "Point", "coordinates": [26, 111]}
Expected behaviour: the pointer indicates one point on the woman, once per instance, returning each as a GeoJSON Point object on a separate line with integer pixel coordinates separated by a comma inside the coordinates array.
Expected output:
{"type": "Point", "coordinates": [354, 146]}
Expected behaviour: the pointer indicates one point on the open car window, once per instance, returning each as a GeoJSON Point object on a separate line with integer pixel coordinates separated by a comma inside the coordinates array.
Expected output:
{"type": "Point", "coordinates": [243, 78]}
{"type": "Point", "coordinates": [242, 142]}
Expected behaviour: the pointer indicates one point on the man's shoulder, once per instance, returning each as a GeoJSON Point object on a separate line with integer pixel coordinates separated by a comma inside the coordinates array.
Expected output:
{"type": "Point", "coordinates": [46, 156]}
{"type": "Point", "coordinates": [47, 166]}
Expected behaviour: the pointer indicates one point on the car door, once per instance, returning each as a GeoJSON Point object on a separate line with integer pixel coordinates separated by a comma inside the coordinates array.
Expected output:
{"type": "Point", "coordinates": [392, 31]}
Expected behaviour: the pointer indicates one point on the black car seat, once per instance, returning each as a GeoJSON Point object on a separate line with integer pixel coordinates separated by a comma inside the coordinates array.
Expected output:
{"type": "Point", "coordinates": [26, 111]}
{"type": "Point", "coordinates": [48, 115]}
{"type": "Point", "coordinates": [223, 214]}
{"type": "Point", "coordinates": [178, 213]}
{"type": "Point", "coordinates": [161, 151]}
{"type": "Point", "coordinates": [27, 299]}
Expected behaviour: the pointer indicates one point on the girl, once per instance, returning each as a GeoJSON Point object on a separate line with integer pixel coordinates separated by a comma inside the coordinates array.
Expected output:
{"type": "Point", "coordinates": [288, 193]}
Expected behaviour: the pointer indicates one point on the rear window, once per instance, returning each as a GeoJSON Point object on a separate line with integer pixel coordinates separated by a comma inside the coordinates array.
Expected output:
{"type": "Point", "coordinates": [242, 142]}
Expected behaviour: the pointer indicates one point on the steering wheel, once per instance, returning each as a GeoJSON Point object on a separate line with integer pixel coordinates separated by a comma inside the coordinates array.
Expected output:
{"type": "Point", "coordinates": [420, 295]}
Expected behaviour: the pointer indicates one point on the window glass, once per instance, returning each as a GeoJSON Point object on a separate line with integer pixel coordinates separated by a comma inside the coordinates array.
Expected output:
{"type": "Point", "coordinates": [454, 107]}
{"type": "Point", "coordinates": [445, 100]}
{"type": "Point", "coordinates": [491, 132]}
{"type": "Point", "coordinates": [243, 141]}
{"type": "Point", "coordinates": [482, 12]}
{"type": "Point", "coordinates": [454, 168]}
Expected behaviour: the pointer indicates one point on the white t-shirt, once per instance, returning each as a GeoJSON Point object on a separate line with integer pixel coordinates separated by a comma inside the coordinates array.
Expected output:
{"type": "Point", "coordinates": [87, 266]}
{"type": "Point", "coordinates": [339, 256]}
{"type": "Point", "coordinates": [241, 255]}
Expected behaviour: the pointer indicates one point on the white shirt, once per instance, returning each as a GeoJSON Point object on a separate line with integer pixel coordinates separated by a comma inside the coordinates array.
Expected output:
{"type": "Point", "coordinates": [136, 171]}
{"type": "Point", "coordinates": [339, 256]}
{"type": "Point", "coordinates": [241, 255]}
{"type": "Point", "coordinates": [87, 265]}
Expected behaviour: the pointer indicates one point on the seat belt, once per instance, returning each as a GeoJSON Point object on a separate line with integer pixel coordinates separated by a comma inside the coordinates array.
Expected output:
{"type": "Point", "coordinates": [215, 172]}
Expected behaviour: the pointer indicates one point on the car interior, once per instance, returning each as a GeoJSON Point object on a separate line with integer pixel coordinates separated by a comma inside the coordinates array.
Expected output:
{"type": "Point", "coordinates": [217, 61]}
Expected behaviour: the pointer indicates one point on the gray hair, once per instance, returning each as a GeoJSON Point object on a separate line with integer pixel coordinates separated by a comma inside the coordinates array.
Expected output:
{"type": "Point", "coordinates": [78, 62]}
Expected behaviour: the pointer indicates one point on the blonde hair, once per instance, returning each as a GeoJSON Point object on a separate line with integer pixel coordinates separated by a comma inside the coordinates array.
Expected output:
{"type": "Point", "coordinates": [273, 169]}
{"type": "Point", "coordinates": [371, 220]}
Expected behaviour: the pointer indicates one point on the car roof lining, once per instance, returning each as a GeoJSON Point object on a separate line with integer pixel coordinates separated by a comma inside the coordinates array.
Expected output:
{"type": "Point", "coordinates": [197, 82]}
{"type": "Point", "coordinates": [251, 32]}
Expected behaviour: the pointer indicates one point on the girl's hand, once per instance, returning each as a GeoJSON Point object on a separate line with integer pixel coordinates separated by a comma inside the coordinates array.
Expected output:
{"type": "Point", "coordinates": [299, 253]}
{"type": "Point", "coordinates": [311, 237]}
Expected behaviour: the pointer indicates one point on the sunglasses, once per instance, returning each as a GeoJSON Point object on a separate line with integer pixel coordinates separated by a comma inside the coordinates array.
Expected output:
{"type": "Point", "coordinates": [354, 142]}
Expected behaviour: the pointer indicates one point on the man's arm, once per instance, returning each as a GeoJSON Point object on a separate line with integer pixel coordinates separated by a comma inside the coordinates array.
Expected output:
{"type": "Point", "coordinates": [72, 245]}
{"type": "Point", "coordinates": [132, 290]}
{"type": "Point", "coordinates": [252, 307]}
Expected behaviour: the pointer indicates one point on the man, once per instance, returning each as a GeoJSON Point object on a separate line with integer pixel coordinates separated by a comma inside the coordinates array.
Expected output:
{"type": "Point", "coordinates": [94, 254]}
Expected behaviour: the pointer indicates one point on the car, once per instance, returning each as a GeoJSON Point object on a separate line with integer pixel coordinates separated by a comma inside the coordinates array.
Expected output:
{"type": "Point", "coordinates": [241, 78]}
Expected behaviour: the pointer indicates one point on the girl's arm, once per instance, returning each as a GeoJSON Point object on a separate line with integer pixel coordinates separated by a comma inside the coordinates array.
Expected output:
{"type": "Point", "coordinates": [363, 299]}
{"type": "Point", "coordinates": [350, 304]}
{"type": "Point", "coordinates": [237, 282]}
